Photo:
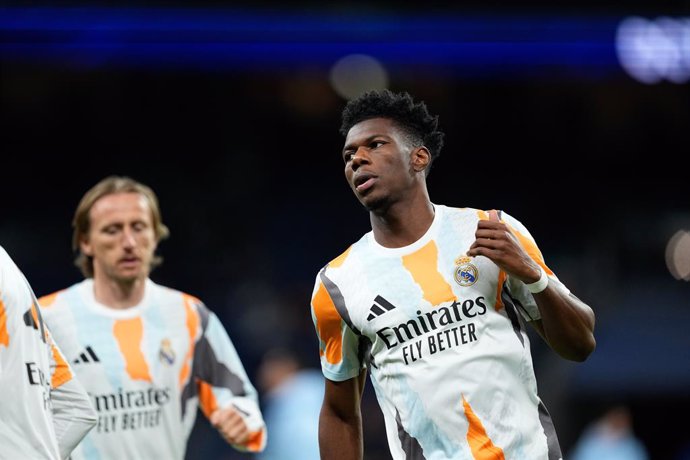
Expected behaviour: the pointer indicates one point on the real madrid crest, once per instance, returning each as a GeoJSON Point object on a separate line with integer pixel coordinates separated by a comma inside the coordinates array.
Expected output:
{"type": "Point", "coordinates": [466, 274]}
{"type": "Point", "coordinates": [166, 353]}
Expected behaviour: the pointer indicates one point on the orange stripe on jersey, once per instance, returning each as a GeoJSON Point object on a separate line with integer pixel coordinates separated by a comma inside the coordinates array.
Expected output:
{"type": "Point", "coordinates": [532, 249]}
{"type": "Point", "coordinates": [62, 373]}
{"type": "Point", "coordinates": [47, 300]}
{"type": "Point", "coordinates": [4, 335]}
{"type": "Point", "coordinates": [255, 441]}
{"type": "Point", "coordinates": [129, 334]}
{"type": "Point", "coordinates": [338, 261]}
{"type": "Point", "coordinates": [423, 266]}
{"type": "Point", "coordinates": [482, 215]}
{"type": "Point", "coordinates": [207, 400]}
{"type": "Point", "coordinates": [499, 290]}
{"type": "Point", "coordinates": [328, 324]}
{"type": "Point", "coordinates": [192, 327]}
{"type": "Point", "coordinates": [480, 444]}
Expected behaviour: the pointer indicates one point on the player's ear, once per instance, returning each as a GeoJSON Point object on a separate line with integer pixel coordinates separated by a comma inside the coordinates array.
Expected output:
{"type": "Point", "coordinates": [421, 157]}
{"type": "Point", "coordinates": [85, 246]}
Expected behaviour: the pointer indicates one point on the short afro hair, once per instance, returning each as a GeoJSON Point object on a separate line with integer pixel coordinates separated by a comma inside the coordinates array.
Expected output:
{"type": "Point", "coordinates": [412, 117]}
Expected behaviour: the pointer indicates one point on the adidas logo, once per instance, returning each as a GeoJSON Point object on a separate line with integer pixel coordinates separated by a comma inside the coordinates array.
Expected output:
{"type": "Point", "coordinates": [87, 356]}
{"type": "Point", "coordinates": [380, 307]}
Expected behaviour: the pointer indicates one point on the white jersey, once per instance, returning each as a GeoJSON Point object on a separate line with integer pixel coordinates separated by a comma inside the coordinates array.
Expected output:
{"type": "Point", "coordinates": [33, 377]}
{"type": "Point", "coordinates": [148, 368]}
{"type": "Point", "coordinates": [443, 337]}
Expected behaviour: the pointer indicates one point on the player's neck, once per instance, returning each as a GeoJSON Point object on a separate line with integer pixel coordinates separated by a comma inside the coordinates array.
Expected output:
{"type": "Point", "coordinates": [118, 294]}
{"type": "Point", "coordinates": [403, 222]}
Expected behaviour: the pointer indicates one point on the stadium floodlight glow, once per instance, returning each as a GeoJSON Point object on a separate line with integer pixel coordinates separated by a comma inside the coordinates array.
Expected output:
{"type": "Point", "coordinates": [652, 51]}
{"type": "Point", "coordinates": [220, 39]}
{"type": "Point", "coordinates": [678, 255]}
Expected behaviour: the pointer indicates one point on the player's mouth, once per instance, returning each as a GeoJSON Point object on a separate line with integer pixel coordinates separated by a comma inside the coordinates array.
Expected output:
{"type": "Point", "coordinates": [129, 262]}
{"type": "Point", "coordinates": [364, 182]}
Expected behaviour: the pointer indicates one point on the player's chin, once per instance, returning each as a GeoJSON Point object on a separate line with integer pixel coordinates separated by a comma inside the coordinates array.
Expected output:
{"type": "Point", "coordinates": [128, 276]}
{"type": "Point", "coordinates": [374, 203]}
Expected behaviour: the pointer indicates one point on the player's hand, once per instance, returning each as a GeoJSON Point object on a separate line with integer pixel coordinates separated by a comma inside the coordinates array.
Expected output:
{"type": "Point", "coordinates": [231, 425]}
{"type": "Point", "coordinates": [495, 241]}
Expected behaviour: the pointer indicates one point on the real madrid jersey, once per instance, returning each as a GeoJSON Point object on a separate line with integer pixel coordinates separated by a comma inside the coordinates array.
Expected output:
{"type": "Point", "coordinates": [44, 412]}
{"type": "Point", "coordinates": [148, 368]}
{"type": "Point", "coordinates": [443, 337]}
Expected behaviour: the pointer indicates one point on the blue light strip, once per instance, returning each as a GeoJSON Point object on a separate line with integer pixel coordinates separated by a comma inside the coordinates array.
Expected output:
{"type": "Point", "coordinates": [235, 39]}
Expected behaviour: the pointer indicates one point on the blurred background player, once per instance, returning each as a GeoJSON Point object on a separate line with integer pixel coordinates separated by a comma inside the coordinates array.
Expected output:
{"type": "Point", "coordinates": [431, 301]}
{"type": "Point", "coordinates": [44, 411]}
{"type": "Point", "coordinates": [148, 355]}
{"type": "Point", "coordinates": [611, 437]}
{"type": "Point", "coordinates": [292, 397]}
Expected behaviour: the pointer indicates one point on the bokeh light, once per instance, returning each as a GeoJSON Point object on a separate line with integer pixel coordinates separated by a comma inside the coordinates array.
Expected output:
{"type": "Point", "coordinates": [678, 255]}
{"type": "Point", "coordinates": [652, 51]}
{"type": "Point", "coordinates": [357, 73]}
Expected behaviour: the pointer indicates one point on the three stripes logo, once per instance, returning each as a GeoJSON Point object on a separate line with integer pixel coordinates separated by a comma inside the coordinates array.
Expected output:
{"type": "Point", "coordinates": [380, 307]}
{"type": "Point", "coordinates": [87, 356]}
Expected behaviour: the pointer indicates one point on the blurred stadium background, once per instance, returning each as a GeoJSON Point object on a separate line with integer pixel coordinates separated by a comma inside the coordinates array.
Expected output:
{"type": "Point", "coordinates": [575, 118]}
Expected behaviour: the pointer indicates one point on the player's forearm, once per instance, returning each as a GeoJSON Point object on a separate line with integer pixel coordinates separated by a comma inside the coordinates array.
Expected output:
{"type": "Point", "coordinates": [340, 439]}
{"type": "Point", "coordinates": [73, 415]}
{"type": "Point", "coordinates": [567, 323]}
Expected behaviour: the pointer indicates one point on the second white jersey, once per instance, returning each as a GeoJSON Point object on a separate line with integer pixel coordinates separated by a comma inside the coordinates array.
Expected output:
{"type": "Point", "coordinates": [444, 340]}
{"type": "Point", "coordinates": [43, 411]}
{"type": "Point", "coordinates": [148, 368]}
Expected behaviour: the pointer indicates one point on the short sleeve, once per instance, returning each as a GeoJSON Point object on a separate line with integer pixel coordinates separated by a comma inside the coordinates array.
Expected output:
{"type": "Point", "coordinates": [339, 344]}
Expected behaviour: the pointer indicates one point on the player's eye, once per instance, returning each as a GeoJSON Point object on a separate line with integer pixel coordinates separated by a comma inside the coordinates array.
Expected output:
{"type": "Point", "coordinates": [139, 226]}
